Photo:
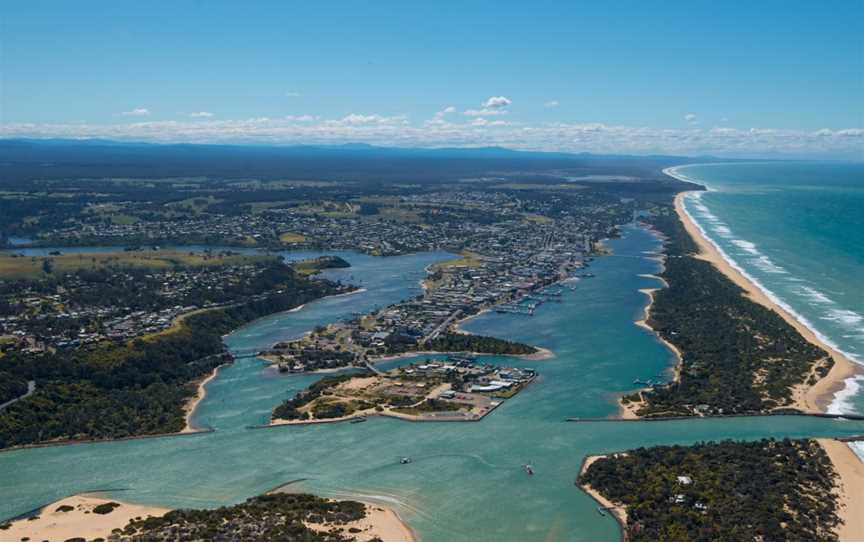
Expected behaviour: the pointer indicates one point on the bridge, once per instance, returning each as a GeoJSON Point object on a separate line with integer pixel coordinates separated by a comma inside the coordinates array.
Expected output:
{"type": "Point", "coordinates": [244, 353]}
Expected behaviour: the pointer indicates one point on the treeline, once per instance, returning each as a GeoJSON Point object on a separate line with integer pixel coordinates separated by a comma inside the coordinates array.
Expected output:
{"type": "Point", "coordinates": [765, 490]}
{"type": "Point", "coordinates": [121, 390]}
{"type": "Point", "coordinates": [738, 356]}
{"type": "Point", "coordinates": [11, 386]}
{"type": "Point", "coordinates": [463, 342]}
{"type": "Point", "coordinates": [277, 516]}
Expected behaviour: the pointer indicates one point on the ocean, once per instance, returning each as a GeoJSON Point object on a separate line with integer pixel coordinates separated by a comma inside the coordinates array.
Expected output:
{"type": "Point", "coordinates": [797, 230]}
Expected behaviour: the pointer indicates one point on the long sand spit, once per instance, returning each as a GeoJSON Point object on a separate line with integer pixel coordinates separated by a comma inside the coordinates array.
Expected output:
{"type": "Point", "coordinates": [815, 398]}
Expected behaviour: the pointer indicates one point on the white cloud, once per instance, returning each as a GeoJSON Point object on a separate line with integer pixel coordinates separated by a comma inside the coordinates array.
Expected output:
{"type": "Point", "coordinates": [494, 105]}
{"type": "Point", "coordinates": [485, 112]}
{"type": "Point", "coordinates": [292, 94]}
{"type": "Point", "coordinates": [551, 103]}
{"type": "Point", "coordinates": [497, 102]}
{"type": "Point", "coordinates": [355, 119]}
{"type": "Point", "coordinates": [137, 112]}
{"type": "Point", "coordinates": [475, 131]}
{"type": "Point", "coordinates": [201, 115]}
{"type": "Point", "coordinates": [690, 118]}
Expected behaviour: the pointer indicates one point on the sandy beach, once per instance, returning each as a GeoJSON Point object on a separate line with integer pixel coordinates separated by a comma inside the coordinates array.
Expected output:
{"type": "Point", "coordinates": [850, 488]}
{"type": "Point", "coordinates": [73, 517]}
{"type": "Point", "coordinates": [807, 398]}
{"type": "Point", "coordinates": [619, 512]}
{"type": "Point", "coordinates": [193, 402]}
{"type": "Point", "coordinates": [384, 523]}
{"type": "Point", "coordinates": [55, 525]}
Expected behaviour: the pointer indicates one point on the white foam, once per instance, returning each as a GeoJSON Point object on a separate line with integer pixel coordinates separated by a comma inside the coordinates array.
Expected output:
{"type": "Point", "coordinates": [768, 293]}
{"type": "Point", "coordinates": [765, 264]}
{"type": "Point", "coordinates": [858, 447]}
{"type": "Point", "coordinates": [842, 402]}
{"type": "Point", "coordinates": [815, 295]}
{"type": "Point", "coordinates": [844, 316]}
{"type": "Point", "coordinates": [746, 246]}
{"type": "Point", "coordinates": [724, 231]}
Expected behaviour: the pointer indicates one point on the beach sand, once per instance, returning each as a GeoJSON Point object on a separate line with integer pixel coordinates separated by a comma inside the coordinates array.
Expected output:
{"type": "Point", "coordinates": [383, 523]}
{"type": "Point", "coordinates": [619, 512]}
{"type": "Point", "coordinates": [193, 402]}
{"type": "Point", "coordinates": [56, 526]}
{"type": "Point", "coordinates": [815, 398]}
{"type": "Point", "coordinates": [850, 489]}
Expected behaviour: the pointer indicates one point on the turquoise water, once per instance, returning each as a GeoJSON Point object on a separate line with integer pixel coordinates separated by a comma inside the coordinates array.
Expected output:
{"type": "Point", "coordinates": [798, 230]}
{"type": "Point", "coordinates": [466, 481]}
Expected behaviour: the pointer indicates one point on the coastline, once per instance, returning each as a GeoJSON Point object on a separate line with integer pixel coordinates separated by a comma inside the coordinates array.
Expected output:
{"type": "Point", "coordinates": [79, 520]}
{"type": "Point", "coordinates": [628, 411]}
{"type": "Point", "coordinates": [807, 398]}
{"type": "Point", "coordinates": [850, 488]}
{"type": "Point", "coordinates": [618, 512]}
{"type": "Point", "coordinates": [195, 400]}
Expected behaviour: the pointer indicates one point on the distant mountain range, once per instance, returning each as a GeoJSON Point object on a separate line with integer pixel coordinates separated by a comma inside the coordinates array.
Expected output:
{"type": "Point", "coordinates": [22, 159]}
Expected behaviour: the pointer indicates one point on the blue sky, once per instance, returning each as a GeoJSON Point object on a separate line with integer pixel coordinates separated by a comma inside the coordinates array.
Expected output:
{"type": "Point", "coordinates": [735, 77]}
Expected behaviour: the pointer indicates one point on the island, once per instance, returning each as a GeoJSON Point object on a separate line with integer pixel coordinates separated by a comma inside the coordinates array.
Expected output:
{"type": "Point", "coordinates": [452, 389]}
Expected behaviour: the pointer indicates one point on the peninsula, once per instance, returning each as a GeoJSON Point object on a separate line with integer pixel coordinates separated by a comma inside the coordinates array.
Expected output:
{"type": "Point", "coordinates": [272, 516]}
{"type": "Point", "coordinates": [783, 490]}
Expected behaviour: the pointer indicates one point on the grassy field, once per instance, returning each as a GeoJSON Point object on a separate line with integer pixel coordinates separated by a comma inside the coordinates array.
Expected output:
{"type": "Point", "coordinates": [468, 259]}
{"type": "Point", "coordinates": [538, 218]}
{"type": "Point", "coordinates": [290, 237]}
{"type": "Point", "coordinates": [538, 186]}
{"type": "Point", "coordinates": [12, 267]}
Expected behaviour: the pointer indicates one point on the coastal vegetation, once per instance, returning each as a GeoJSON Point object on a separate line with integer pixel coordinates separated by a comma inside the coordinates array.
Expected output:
{"type": "Point", "coordinates": [120, 389]}
{"type": "Point", "coordinates": [467, 342]}
{"type": "Point", "coordinates": [737, 356]}
{"type": "Point", "coordinates": [316, 265]}
{"type": "Point", "coordinates": [764, 490]}
{"type": "Point", "coordinates": [270, 517]}
{"type": "Point", "coordinates": [11, 386]}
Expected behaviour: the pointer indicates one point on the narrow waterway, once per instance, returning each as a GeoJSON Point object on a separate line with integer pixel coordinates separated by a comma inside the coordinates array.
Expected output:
{"type": "Point", "coordinates": [466, 481]}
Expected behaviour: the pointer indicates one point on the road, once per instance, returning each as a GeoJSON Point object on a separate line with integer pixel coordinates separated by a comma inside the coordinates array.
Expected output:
{"type": "Point", "coordinates": [31, 387]}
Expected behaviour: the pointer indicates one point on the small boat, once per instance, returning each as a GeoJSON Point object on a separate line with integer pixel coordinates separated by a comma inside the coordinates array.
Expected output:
{"type": "Point", "coordinates": [529, 469]}
{"type": "Point", "coordinates": [405, 460]}
{"type": "Point", "coordinates": [358, 420]}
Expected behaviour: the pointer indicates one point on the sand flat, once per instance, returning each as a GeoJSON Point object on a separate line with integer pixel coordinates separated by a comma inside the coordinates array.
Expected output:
{"type": "Point", "coordinates": [56, 526]}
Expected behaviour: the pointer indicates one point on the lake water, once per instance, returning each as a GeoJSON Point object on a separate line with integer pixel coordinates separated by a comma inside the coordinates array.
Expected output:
{"type": "Point", "coordinates": [466, 481]}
